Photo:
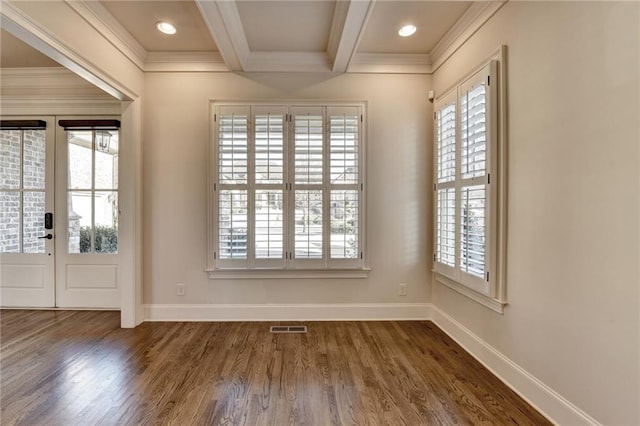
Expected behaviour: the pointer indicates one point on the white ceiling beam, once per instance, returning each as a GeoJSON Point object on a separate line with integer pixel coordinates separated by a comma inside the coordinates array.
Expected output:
{"type": "Point", "coordinates": [349, 23]}
{"type": "Point", "coordinates": [223, 20]}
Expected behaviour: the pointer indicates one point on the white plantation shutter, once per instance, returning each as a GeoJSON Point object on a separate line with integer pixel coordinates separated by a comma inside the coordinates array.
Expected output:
{"type": "Point", "coordinates": [445, 184]}
{"type": "Point", "coordinates": [446, 227]}
{"type": "Point", "coordinates": [308, 125]}
{"type": "Point", "coordinates": [233, 145]}
{"type": "Point", "coordinates": [464, 234]}
{"type": "Point", "coordinates": [473, 230]}
{"type": "Point", "coordinates": [446, 141]}
{"type": "Point", "coordinates": [267, 185]}
{"type": "Point", "coordinates": [473, 180]}
{"type": "Point", "coordinates": [287, 187]}
{"type": "Point", "coordinates": [232, 215]}
{"type": "Point", "coordinates": [344, 185]}
{"type": "Point", "coordinates": [308, 129]}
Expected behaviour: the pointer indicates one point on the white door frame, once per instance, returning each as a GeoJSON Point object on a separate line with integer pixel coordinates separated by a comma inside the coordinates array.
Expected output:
{"type": "Point", "coordinates": [130, 170]}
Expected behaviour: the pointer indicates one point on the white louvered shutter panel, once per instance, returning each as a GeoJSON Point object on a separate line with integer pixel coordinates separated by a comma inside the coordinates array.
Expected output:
{"type": "Point", "coordinates": [344, 186]}
{"type": "Point", "coordinates": [308, 128]}
{"type": "Point", "coordinates": [445, 185]}
{"type": "Point", "coordinates": [268, 178]}
{"type": "Point", "coordinates": [232, 132]}
{"type": "Point", "coordinates": [475, 161]}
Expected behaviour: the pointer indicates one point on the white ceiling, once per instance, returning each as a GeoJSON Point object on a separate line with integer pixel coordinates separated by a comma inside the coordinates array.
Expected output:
{"type": "Point", "coordinates": [272, 35]}
{"type": "Point", "coordinates": [433, 19]}
{"type": "Point", "coordinates": [287, 26]}
{"type": "Point", "coordinates": [139, 19]}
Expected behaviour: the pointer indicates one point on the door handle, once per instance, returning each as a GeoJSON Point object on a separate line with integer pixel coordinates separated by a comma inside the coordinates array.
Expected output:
{"type": "Point", "coordinates": [48, 236]}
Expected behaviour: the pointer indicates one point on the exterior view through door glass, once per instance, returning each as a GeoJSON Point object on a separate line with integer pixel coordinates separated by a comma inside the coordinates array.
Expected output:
{"type": "Point", "coordinates": [26, 198]}
{"type": "Point", "coordinates": [92, 191]}
{"type": "Point", "coordinates": [87, 269]}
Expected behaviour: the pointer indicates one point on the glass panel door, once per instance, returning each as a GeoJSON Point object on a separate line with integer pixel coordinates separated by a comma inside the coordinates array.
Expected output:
{"type": "Point", "coordinates": [26, 195]}
{"type": "Point", "coordinates": [87, 265]}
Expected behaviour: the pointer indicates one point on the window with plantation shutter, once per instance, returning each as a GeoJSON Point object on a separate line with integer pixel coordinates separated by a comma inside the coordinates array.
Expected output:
{"type": "Point", "coordinates": [287, 188]}
{"type": "Point", "coordinates": [465, 178]}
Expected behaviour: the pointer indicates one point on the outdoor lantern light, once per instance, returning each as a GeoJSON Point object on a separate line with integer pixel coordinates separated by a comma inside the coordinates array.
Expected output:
{"type": "Point", "coordinates": [103, 140]}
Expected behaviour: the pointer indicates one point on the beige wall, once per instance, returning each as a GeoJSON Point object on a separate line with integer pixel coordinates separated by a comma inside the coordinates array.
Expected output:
{"type": "Point", "coordinates": [176, 131]}
{"type": "Point", "coordinates": [572, 268]}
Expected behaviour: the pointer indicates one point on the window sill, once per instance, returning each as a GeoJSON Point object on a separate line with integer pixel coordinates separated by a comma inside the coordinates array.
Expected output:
{"type": "Point", "coordinates": [490, 302]}
{"type": "Point", "coordinates": [266, 273]}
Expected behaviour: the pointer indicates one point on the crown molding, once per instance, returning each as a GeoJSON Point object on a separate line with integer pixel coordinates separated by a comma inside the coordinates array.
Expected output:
{"type": "Point", "coordinates": [390, 63]}
{"type": "Point", "coordinates": [185, 62]}
{"type": "Point", "coordinates": [470, 22]}
{"type": "Point", "coordinates": [104, 22]}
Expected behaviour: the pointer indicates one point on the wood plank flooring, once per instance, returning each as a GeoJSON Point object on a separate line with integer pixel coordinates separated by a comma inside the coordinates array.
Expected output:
{"type": "Point", "coordinates": [80, 368]}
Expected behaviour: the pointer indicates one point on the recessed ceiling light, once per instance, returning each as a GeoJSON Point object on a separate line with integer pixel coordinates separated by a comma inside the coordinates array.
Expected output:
{"type": "Point", "coordinates": [165, 27]}
{"type": "Point", "coordinates": [407, 30]}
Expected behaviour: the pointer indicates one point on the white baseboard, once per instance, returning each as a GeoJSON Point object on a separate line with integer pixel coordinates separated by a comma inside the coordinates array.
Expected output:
{"type": "Point", "coordinates": [547, 401]}
{"type": "Point", "coordinates": [290, 312]}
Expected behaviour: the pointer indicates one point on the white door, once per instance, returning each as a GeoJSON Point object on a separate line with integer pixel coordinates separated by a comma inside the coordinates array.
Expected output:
{"type": "Point", "coordinates": [27, 256]}
{"type": "Point", "coordinates": [87, 256]}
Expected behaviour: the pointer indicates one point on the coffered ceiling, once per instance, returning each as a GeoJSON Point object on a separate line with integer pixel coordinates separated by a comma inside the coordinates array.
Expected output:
{"type": "Point", "coordinates": [270, 35]}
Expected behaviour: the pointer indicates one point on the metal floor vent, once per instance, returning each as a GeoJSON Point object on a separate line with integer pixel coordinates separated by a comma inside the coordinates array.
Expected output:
{"type": "Point", "coordinates": [288, 329]}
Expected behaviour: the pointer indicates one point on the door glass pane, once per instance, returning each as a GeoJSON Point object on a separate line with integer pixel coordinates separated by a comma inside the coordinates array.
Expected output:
{"type": "Point", "coordinates": [106, 220]}
{"type": "Point", "coordinates": [33, 155]}
{"type": "Point", "coordinates": [308, 217]}
{"type": "Point", "coordinates": [344, 224]}
{"type": "Point", "coordinates": [269, 230]}
{"type": "Point", "coordinates": [10, 159]}
{"type": "Point", "coordinates": [33, 222]}
{"type": "Point", "coordinates": [9, 222]}
{"type": "Point", "coordinates": [80, 160]}
{"type": "Point", "coordinates": [79, 220]}
{"type": "Point", "coordinates": [106, 159]}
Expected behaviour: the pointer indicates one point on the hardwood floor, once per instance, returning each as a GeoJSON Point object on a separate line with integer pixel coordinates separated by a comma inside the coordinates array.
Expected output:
{"type": "Point", "coordinates": [80, 368]}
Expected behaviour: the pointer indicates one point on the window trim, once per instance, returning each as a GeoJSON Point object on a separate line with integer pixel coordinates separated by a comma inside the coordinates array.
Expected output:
{"type": "Point", "coordinates": [336, 268]}
{"type": "Point", "coordinates": [495, 298]}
